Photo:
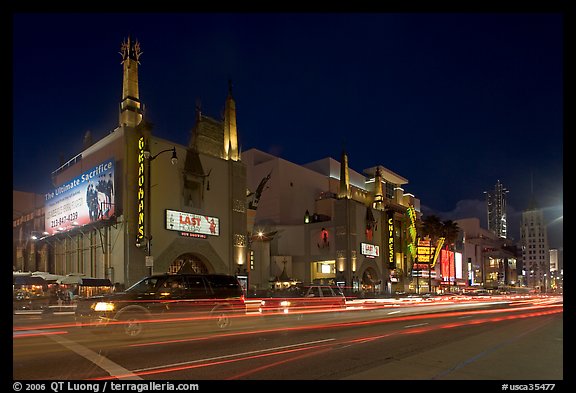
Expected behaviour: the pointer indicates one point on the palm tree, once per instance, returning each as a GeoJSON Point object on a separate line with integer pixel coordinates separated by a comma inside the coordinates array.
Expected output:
{"type": "Point", "coordinates": [435, 228]}
{"type": "Point", "coordinates": [450, 231]}
{"type": "Point", "coordinates": [432, 227]}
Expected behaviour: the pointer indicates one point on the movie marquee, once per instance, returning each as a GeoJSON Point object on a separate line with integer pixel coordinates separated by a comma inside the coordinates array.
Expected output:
{"type": "Point", "coordinates": [192, 225]}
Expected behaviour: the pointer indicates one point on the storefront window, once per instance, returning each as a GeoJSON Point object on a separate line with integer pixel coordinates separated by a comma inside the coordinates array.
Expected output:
{"type": "Point", "coordinates": [322, 270]}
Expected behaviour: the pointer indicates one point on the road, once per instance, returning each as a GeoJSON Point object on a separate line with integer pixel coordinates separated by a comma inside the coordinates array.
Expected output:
{"type": "Point", "coordinates": [480, 339]}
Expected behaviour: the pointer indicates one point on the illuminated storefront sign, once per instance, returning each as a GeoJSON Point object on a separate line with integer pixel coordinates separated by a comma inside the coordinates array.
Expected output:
{"type": "Point", "coordinates": [323, 269]}
{"type": "Point", "coordinates": [451, 265]}
{"type": "Point", "coordinates": [447, 265]}
{"type": "Point", "coordinates": [192, 225]}
{"type": "Point", "coordinates": [425, 251]}
{"type": "Point", "coordinates": [83, 200]}
{"type": "Point", "coordinates": [140, 193]}
{"type": "Point", "coordinates": [439, 245]}
{"type": "Point", "coordinates": [391, 262]}
{"type": "Point", "coordinates": [411, 214]}
{"type": "Point", "coordinates": [422, 270]}
{"type": "Point", "coordinates": [458, 263]}
{"type": "Point", "coordinates": [370, 250]}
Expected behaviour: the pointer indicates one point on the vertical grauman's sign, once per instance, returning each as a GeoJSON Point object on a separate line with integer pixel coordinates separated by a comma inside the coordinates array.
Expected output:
{"type": "Point", "coordinates": [140, 193]}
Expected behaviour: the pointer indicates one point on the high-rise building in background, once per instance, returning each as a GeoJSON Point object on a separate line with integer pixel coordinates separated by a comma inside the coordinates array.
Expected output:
{"type": "Point", "coordinates": [496, 207]}
{"type": "Point", "coordinates": [554, 261]}
{"type": "Point", "coordinates": [535, 254]}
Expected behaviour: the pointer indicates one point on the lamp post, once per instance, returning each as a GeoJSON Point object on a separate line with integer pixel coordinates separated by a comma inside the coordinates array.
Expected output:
{"type": "Point", "coordinates": [147, 229]}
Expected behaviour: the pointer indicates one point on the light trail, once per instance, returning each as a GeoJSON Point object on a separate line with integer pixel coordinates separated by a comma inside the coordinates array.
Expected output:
{"type": "Point", "coordinates": [324, 326]}
{"type": "Point", "coordinates": [36, 333]}
{"type": "Point", "coordinates": [321, 347]}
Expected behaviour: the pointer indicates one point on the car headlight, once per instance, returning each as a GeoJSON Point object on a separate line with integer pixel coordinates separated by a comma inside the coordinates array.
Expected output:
{"type": "Point", "coordinates": [285, 303]}
{"type": "Point", "coordinates": [103, 306]}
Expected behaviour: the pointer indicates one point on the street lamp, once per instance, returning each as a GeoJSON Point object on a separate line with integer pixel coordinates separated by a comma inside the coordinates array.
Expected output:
{"type": "Point", "coordinates": [147, 230]}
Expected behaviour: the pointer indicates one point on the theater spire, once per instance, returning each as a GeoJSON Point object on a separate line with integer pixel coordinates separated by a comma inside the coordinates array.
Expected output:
{"type": "Point", "coordinates": [130, 106]}
{"type": "Point", "coordinates": [344, 191]}
{"type": "Point", "coordinates": [230, 131]}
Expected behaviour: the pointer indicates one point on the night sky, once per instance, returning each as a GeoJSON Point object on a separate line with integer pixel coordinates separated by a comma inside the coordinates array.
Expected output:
{"type": "Point", "coordinates": [452, 102]}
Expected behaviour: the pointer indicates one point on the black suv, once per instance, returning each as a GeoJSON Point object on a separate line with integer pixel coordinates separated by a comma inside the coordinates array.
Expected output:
{"type": "Point", "coordinates": [165, 298]}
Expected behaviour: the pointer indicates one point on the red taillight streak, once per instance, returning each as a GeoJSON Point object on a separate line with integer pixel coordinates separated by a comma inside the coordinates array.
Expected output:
{"type": "Point", "coordinates": [240, 315]}
{"type": "Point", "coordinates": [42, 327]}
{"type": "Point", "coordinates": [344, 324]}
{"type": "Point", "coordinates": [330, 346]}
{"type": "Point", "coordinates": [38, 334]}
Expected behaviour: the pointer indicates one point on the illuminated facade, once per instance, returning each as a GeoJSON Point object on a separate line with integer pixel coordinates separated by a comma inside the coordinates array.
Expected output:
{"type": "Point", "coordinates": [555, 283]}
{"type": "Point", "coordinates": [327, 223]}
{"type": "Point", "coordinates": [28, 225]}
{"type": "Point", "coordinates": [488, 261]}
{"type": "Point", "coordinates": [535, 252]}
{"type": "Point", "coordinates": [120, 209]}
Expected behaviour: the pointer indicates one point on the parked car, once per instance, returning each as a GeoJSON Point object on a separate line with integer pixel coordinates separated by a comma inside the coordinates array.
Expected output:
{"type": "Point", "coordinates": [193, 298]}
{"type": "Point", "coordinates": [302, 299]}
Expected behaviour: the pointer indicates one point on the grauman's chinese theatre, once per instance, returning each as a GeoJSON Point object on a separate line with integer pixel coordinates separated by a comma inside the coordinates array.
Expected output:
{"type": "Point", "coordinates": [133, 203]}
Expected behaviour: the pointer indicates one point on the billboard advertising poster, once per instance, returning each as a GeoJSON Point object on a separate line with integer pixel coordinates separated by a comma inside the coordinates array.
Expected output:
{"type": "Point", "coordinates": [83, 200]}
{"type": "Point", "coordinates": [458, 263]}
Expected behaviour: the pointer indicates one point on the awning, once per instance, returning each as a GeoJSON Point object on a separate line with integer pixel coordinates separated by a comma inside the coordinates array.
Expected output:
{"type": "Point", "coordinates": [95, 282]}
{"type": "Point", "coordinates": [28, 280]}
{"type": "Point", "coordinates": [69, 279]}
{"type": "Point", "coordinates": [47, 276]}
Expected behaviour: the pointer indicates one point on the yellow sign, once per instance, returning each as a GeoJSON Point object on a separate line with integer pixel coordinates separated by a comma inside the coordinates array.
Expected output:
{"type": "Point", "coordinates": [439, 245]}
{"type": "Point", "coordinates": [425, 254]}
{"type": "Point", "coordinates": [140, 193]}
{"type": "Point", "coordinates": [411, 213]}
{"type": "Point", "coordinates": [390, 241]}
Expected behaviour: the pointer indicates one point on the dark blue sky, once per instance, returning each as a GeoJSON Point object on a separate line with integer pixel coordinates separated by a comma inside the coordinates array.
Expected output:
{"type": "Point", "coordinates": [452, 102]}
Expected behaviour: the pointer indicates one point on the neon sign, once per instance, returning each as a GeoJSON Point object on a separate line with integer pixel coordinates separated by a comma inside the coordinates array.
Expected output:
{"type": "Point", "coordinates": [391, 263]}
{"type": "Point", "coordinates": [140, 193]}
{"type": "Point", "coordinates": [411, 213]}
